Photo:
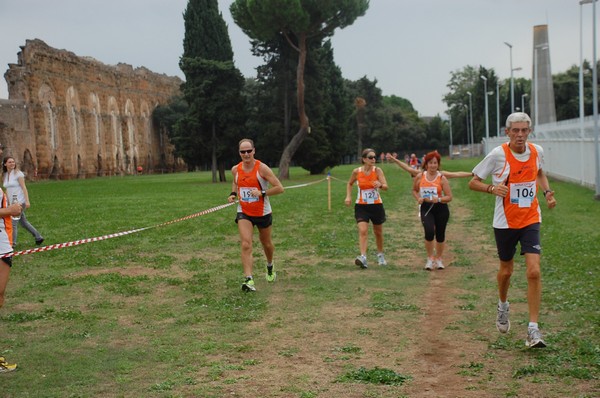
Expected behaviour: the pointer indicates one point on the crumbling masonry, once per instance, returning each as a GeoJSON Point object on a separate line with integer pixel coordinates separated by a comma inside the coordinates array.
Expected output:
{"type": "Point", "coordinates": [75, 117]}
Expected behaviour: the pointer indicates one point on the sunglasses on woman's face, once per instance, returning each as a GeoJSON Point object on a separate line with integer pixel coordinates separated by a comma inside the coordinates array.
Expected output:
{"type": "Point", "coordinates": [371, 157]}
{"type": "Point", "coordinates": [245, 151]}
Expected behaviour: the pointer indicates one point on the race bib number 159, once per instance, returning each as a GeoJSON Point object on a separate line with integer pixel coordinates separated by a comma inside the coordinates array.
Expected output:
{"type": "Point", "coordinates": [245, 195]}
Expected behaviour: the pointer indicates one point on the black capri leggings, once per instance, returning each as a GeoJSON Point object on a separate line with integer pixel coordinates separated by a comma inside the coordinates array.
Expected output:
{"type": "Point", "coordinates": [434, 217]}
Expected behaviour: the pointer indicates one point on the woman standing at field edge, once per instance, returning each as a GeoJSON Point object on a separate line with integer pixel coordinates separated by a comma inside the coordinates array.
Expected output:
{"type": "Point", "coordinates": [368, 205]}
{"type": "Point", "coordinates": [14, 183]}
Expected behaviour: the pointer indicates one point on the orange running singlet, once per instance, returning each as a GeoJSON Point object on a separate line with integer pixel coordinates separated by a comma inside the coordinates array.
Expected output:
{"type": "Point", "coordinates": [431, 189]}
{"type": "Point", "coordinates": [250, 205]}
{"type": "Point", "coordinates": [5, 228]}
{"type": "Point", "coordinates": [521, 206]}
{"type": "Point", "coordinates": [367, 194]}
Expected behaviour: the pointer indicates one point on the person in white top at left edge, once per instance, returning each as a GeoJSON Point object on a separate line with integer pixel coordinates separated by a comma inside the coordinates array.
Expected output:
{"type": "Point", "coordinates": [6, 211]}
{"type": "Point", "coordinates": [14, 183]}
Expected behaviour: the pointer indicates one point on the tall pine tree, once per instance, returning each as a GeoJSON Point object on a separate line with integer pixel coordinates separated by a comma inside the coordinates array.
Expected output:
{"type": "Point", "coordinates": [212, 88]}
{"type": "Point", "coordinates": [300, 22]}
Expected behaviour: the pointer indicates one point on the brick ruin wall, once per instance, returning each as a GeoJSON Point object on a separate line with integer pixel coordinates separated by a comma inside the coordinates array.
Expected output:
{"type": "Point", "coordinates": [75, 117]}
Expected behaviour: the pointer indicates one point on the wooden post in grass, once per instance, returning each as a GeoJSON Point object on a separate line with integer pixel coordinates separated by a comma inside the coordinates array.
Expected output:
{"type": "Point", "coordinates": [329, 191]}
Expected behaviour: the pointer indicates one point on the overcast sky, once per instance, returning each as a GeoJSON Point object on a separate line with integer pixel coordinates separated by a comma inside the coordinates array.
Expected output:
{"type": "Point", "coordinates": [409, 46]}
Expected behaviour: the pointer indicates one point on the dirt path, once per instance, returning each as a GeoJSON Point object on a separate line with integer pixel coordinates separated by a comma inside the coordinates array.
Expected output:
{"type": "Point", "coordinates": [311, 350]}
{"type": "Point", "coordinates": [436, 361]}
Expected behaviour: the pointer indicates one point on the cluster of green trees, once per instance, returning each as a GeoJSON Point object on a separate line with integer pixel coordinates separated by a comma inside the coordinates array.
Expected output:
{"type": "Point", "coordinates": [299, 109]}
{"type": "Point", "coordinates": [566, 98]}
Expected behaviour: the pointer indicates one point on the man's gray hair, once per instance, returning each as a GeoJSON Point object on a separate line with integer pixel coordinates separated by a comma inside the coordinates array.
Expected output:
{"type": "Point", "coordinates": [517, 117]}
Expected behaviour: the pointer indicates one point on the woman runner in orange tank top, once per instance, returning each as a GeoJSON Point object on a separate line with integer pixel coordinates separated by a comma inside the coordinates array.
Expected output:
{"type": "Point", "coordinates": [368, 205]}
{"type": "Point", "coordinates": [432, 191]}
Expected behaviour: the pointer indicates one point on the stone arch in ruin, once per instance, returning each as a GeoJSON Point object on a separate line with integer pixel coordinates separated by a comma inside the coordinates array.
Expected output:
{"type": "Point", "coordinates": [56, 172]}
{"type": "Point", "coordinates": [72, 148]}
{"type": "Point", "coordinates": [99, 167]}
{"type": "Point", "coordinates": [149, 163]}
{"type": "Point", "coordinates": [129, 142]}
{"type": "Point", "coordinates": [115, 143]}
{"type": "Point", "coordinates": [79, 117]}
{"type": "Point", "coordinates": [94, 139]}
{"type": "Point", "coordinates": [47, 99]}
{"type": "Point", "coordinates": [28, 166]}
{"type": "Point", "coordinates": [80, 169]}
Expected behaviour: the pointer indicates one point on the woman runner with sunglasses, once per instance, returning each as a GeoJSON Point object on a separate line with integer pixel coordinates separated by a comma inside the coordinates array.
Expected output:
{"type": "Point", "coordinates": [368, 206]}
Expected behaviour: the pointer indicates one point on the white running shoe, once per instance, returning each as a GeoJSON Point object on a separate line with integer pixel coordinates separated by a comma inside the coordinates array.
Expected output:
{"type": "Point", "coordinates": [361, 261]}
{"type": "Point", "coordinates": [502, 321]}
{"type": "Point", "coordinates": [534, 339]}
{"type": "Point", "coordinates": [429, 265]}
{"type": "Point", "coordinates": [439, 264]}
{"type": "Point", "coordinates": [381, 259]}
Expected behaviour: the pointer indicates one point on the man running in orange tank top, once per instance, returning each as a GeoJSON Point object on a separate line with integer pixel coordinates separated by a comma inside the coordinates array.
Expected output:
{"type": "Point", "coordinates": [251, 179]}
{"type": "Point", "coordinates": [517, 172]}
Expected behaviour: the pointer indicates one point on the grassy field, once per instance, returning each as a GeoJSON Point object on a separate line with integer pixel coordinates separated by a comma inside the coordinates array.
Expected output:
{"type": "Point", "coordinates": [160, 313]}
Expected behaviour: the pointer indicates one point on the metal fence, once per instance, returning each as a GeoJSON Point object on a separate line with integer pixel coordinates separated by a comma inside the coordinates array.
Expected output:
{"type": "Point", "coordinates": [569, 149]}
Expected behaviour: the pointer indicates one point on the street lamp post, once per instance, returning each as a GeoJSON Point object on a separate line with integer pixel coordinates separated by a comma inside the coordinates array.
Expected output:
{"type": "Point", "coordinates": [523, 102]}
{"type": "Point", "coordinates": [581, 97]}
{"type": "Point", "coordinates": [450, 132]}
{"type": "Point", "coordinates": [518, 68]}
{"type": "Point", "coordinates": [594, 95]}
{"type": "Point", "coordinates": [497, 108]}
{"type": "Point", "coordinates": [512, 81]}
{"type": "Point", "coordinates": [595, 99]}
{"type": "Point", "coordinates": [471, 119]}
{"type": "Point", "coordinates": [536, 81]}
{"type": "Point", "coordinates": [485, 95]}
{"type": "Point", "coordinates": [467, 121]}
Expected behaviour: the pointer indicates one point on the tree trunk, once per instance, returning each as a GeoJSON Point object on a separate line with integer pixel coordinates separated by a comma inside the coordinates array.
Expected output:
{"type": "Point", "coordinates": [287, 114]}
{"type": "Point", "coordinates": [360, 104]}
{"type": "Point", "coordinates": [213, 162]}
{"type": "Point", "coordinates": [222, 174]}
{"type": "Point", "coordinates": [298, 138]}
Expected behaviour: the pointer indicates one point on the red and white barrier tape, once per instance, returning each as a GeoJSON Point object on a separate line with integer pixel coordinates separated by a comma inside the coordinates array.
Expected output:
{"type": "Point", "coordinates": [335, 178]}
{"type": "Point", "coordinates": [115, 235]}
{"type": "Point", "coordinates": [306, 184]}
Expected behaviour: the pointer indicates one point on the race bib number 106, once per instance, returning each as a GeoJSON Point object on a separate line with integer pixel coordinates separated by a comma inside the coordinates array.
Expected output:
{"type": "Point", "coordinates": [522, 193]}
